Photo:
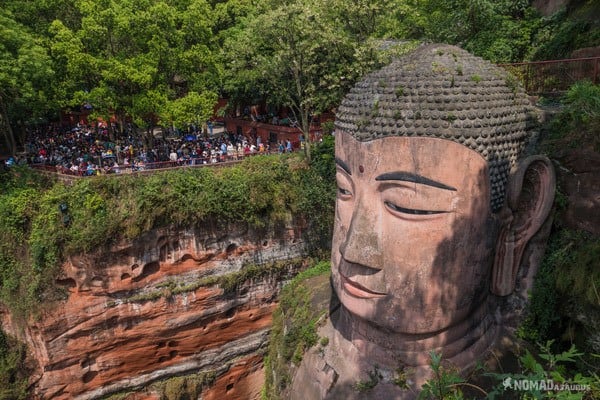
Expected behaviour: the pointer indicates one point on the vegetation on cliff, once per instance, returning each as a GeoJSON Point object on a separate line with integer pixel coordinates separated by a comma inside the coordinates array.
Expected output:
{"type": "Point", "coordinates": [578, 122]}
{"type": "Point", "coordinates": [36, 234]}
{"type": "Point", "coordinates": [295, 326]}
{"type": "Point", "coordinates": [230, 283]}
{"type": "Point", "coordinates": [565, 301]}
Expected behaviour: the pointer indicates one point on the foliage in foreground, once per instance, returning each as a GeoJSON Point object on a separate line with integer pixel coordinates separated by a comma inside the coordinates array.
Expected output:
{"type": "Point", "coordinates": [542, 374]}
{"type": "Point", "coordinates": [35, 236]}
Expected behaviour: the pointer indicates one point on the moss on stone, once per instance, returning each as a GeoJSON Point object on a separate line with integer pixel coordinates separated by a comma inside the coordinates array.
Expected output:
{"type": "Point", "coordinates": [188, 386]}
{"type": "Point", "coordinates": [230, 283]}
{"type": "Point", "coordinates": [185, 387]}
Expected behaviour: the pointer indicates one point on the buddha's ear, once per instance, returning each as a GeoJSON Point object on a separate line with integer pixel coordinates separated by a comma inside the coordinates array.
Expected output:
{"type": "Point", "coordinates": [529, 198]}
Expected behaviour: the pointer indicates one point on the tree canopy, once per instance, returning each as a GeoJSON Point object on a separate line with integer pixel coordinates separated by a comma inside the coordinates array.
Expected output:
{"type": "Point", "coordinates": [166, 62]}
{"type": "Point", "coordinates": [25, 71]}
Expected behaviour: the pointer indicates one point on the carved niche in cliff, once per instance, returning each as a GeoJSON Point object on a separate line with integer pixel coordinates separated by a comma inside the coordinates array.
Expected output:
{"type": "Point", "coordinates": [438, 215]}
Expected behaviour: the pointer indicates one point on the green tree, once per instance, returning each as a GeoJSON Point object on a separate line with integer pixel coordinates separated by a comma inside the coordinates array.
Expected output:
{"type": "Point", "coordinates": [131, 59]}
{"type": "Point", "coordinates": [500, 31]}
{"type": "Point", "coordinates": [300, 55]}
{"type": "Point", "coordinates": [25, 73]}
{"type": "Point", "coordinates": [191, 109]}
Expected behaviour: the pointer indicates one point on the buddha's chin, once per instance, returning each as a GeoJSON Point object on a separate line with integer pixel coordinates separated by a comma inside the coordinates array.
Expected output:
{"type": "Point", "coordinates": [378, 312]}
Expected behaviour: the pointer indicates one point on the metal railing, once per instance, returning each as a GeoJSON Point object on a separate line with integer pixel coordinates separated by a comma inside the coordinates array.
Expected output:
{"type": "Point", "coordinates": [554, 76]}
{"type": "Point", "coordinates": [141, 168]}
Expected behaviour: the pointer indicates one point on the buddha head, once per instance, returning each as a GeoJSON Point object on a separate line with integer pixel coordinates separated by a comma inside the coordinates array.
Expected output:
{"type": "Point", "coordinates": [437, 195]}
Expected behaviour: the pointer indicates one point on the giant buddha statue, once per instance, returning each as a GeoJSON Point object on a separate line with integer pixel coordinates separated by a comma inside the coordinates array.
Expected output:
{"type": "Point", "coordinates": [438, 209]}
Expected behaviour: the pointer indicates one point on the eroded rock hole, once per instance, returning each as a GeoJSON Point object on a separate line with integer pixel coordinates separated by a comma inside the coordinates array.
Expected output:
{"type": "Point", "coordinates": [88, 376]}
{"type": "Point", "coordinates": [147, 270]}
{"type": "Point", "coordinates": [186, 257]}
{"type": "Point", "coordinates": [230, 313]}
{"type": "Point", "coordinates": [111, 322]}
{"type": "Point", "coordinates": [229, 387]}
{"type": "Point", "coordinates": [68, 282]}
{"type": "Point", "coordinates": [231, 248]}
{"type": "Point", "coordinates": [125, 276]}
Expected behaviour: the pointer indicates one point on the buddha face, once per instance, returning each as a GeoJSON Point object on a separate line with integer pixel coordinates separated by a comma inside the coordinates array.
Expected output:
{"type": "Point", "coordinates": [414, 236]}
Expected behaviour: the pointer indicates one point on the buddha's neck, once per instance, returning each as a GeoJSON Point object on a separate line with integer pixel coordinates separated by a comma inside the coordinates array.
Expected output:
{"type": "Point", "coordinates": [460, 343]}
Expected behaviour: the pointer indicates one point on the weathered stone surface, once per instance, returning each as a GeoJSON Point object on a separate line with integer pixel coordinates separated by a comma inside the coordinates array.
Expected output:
{"type": "Point", "coordinates": [243, 381]}
{"type": "Point", "coordinates": [579, 178]}
{"type": "Point", "coordinates": [129, 321]}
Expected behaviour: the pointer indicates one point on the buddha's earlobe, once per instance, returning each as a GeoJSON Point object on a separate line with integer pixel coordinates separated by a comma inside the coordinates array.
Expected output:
{"type": "Point", "coordinates": [529, 198]}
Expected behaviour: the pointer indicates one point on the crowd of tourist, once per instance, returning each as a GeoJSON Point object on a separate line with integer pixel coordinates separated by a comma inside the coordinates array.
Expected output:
{"type": "Point", "coordinates": [87, 151]}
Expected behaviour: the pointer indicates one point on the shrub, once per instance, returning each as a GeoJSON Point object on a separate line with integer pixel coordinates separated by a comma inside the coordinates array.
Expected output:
{"type": "Point", "coordinates": [578, 123]}
{"type": "Point", "coordinates": [548, 368]}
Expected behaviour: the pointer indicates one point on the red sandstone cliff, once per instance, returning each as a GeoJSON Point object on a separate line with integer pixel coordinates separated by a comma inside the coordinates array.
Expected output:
{"type": "Point", "coordinates": [145, 311]}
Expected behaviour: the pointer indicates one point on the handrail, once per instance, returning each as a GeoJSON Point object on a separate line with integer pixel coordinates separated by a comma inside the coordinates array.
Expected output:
{"type": "Point", "coordinates": [554, 76]}
{"type": "Point", "coordinates": [145, 168]}
{"type": "Point", "coordinates": [564, 60]}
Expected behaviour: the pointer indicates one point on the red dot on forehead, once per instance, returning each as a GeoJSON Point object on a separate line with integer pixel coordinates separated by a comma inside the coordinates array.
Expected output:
{"type": "Point", "coordinates": [361, 168]}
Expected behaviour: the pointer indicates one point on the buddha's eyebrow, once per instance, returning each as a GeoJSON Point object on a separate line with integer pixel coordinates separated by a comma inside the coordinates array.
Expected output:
{"type": "Point", "coordinates": [410, 177]}
{"type": "Point", "coordinates": [343, 165]}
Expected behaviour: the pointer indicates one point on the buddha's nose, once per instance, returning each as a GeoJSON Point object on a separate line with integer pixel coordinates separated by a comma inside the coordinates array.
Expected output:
{"type": "Point", "coordinates": [363, 243]}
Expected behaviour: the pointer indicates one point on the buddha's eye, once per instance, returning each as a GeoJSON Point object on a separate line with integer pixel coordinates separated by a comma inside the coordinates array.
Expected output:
{"type": "Point", "coordinates": [398, 209]}
{"type": "Point", "coordinates": [410, 202]}
{"type": "Point", "coordinates": [344, 192]}
{"type": "Point", "coordinates": [344, 186]}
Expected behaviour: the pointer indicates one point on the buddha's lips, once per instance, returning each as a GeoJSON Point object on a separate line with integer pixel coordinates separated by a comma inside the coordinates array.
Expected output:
{"type": "Point", "coordinates": [357, 290]}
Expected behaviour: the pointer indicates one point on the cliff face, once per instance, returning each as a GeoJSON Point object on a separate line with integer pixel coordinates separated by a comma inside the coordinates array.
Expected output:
{"type": "Point", "coordinates": [173, 302]}
{"type": "Point", "coordinates": [580, 180]}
